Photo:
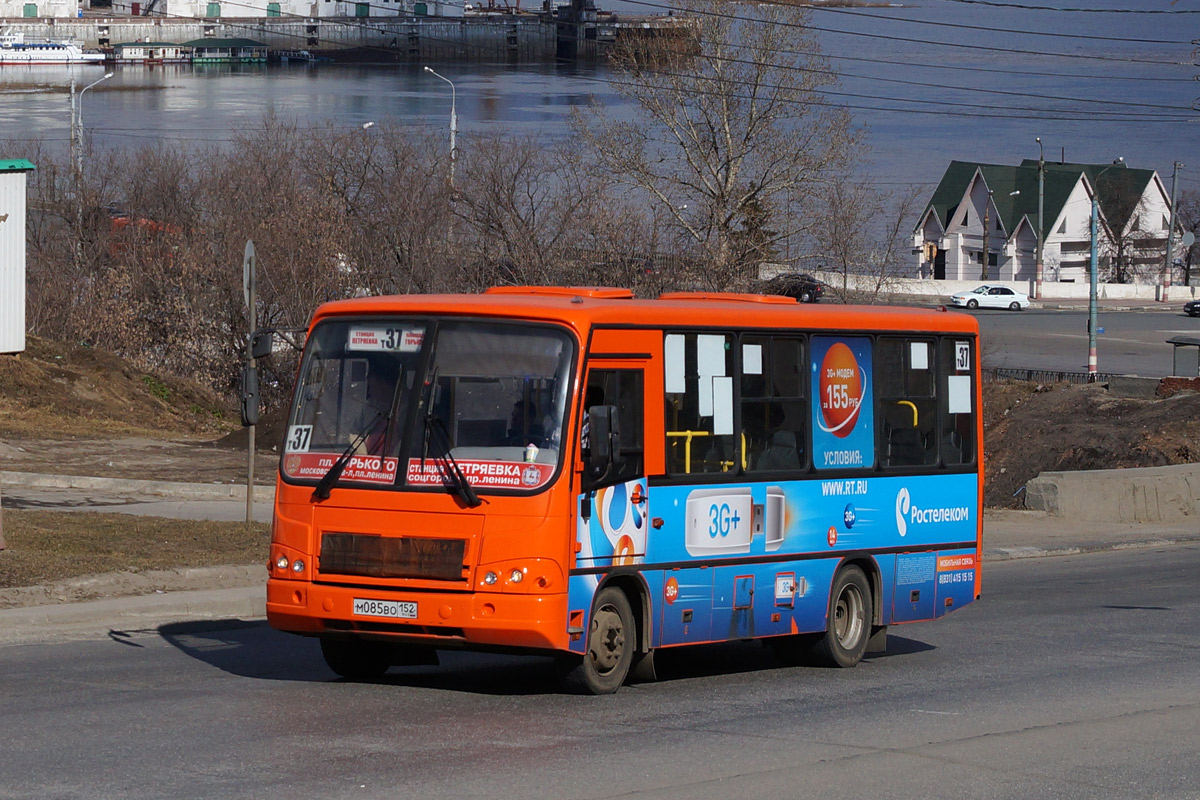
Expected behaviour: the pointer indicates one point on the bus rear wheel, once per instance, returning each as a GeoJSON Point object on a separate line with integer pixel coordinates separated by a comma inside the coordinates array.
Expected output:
{"type": "Point", "coordinates": [611, 641]}
{"type": "Point", "coordinates": [356, 659]}
{"type": "Point", "coordinates": [848, 624]}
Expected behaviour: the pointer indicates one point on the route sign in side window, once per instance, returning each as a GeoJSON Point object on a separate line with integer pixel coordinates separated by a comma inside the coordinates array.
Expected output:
{"type": "Point", "coordinates": [956, 404]}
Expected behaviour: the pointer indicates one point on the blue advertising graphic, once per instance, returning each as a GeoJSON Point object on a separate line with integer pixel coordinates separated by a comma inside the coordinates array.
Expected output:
{"type": "Point", "coordinates": [923, 529]}
{"type": "Point", "coordinates": [843, 422]}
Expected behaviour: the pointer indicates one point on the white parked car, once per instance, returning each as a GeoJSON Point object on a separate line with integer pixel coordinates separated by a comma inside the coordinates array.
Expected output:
{"type": "Point", "coordinates": [991, 296]}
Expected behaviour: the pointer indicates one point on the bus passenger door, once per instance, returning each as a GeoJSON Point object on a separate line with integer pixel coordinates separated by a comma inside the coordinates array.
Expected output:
{"type": "Point", "coordinates": [614, 506]}
{"type": "Point", "coordinates": [614, 524]}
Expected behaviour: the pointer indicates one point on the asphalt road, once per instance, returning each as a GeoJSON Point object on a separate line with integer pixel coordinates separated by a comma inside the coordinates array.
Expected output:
{"type": "Point", "coordinates": [1127, 342]}
{"type": "Point", "coordinates": [1074, 677]}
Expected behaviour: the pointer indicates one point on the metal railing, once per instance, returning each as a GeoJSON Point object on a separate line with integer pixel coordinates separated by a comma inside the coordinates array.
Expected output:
{"type": "Point", "coordinates": [1000, 374]}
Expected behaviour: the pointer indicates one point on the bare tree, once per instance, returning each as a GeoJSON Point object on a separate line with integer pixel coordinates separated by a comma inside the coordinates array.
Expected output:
{"type": "Point", "coordinates": [733, 141]}
{"type": "Point", "coordinates": [862, 231]}
{"type": "Point", "coordinates": [1135, 246]}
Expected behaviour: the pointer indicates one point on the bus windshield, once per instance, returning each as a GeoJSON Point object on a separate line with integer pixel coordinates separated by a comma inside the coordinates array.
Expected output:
{"type": "Point", "coordinates": [416, 400]}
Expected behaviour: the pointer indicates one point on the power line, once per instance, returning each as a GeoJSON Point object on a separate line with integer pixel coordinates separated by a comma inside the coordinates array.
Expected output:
{"type": "Point", "coordinates": [1021, 32]}
{"type": "Point", "coordinates": [910, 40]}
{"type": "Point", "coordinates": [1084, 10]}
{"type": "Point", "coordinates": [926, 84]}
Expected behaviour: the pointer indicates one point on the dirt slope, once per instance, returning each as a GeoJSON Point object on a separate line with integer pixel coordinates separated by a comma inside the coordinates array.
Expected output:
{"type": "Point", "coordinates": [1031, 428]}
{"type": "Point", "coordinates": [55, 391]}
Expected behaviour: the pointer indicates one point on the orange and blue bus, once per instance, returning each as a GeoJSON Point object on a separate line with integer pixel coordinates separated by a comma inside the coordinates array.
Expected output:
{"type": "Point", "coordinates": [575, 472]}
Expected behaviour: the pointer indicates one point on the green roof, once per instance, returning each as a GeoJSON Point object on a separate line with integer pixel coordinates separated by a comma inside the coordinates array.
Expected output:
{"type": "Point", "coordinates": [1118, 189]}
{"type": "Point", "coordinates": [1117, 192]}
{"type": "Point", "coordinates": [17, 165]}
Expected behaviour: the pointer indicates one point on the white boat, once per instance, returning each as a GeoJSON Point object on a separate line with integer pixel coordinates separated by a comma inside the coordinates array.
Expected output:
{"type": "Point", "coordinates": [14, 49]}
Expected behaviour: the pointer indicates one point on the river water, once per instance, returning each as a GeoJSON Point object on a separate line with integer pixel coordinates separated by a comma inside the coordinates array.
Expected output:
{"type": "Point", "coordinates": [934, 81]}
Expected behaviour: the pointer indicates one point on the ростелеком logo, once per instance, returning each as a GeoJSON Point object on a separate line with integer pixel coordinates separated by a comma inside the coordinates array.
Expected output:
{"type": "Point", "coordinates": [903, 503]}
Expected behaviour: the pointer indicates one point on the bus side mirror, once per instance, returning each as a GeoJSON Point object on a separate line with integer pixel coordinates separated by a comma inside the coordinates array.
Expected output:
{"type": "Point", "coordinates": [261, 343]}
{"type": "Point", "coordinates": [249, 396]}
{"type": "Point", "coordinates": [604, 439]}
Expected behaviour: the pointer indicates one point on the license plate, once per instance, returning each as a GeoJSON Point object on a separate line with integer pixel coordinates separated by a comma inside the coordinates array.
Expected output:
{"type": "Point", "coordinates": [384, 608]}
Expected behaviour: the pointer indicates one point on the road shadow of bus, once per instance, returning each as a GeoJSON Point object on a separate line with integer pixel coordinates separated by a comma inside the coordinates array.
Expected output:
{"type": "Point", "coordinates": [728, 658]}
{"type": "Point", "coordinates": [252, 649]}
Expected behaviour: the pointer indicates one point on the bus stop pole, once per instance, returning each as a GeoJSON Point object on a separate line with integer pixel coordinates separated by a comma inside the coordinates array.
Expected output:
{"type": "Point", "coordinates": [248, 281]}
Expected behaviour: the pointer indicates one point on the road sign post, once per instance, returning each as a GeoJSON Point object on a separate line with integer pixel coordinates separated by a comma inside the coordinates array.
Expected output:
{"type": "Point", "coordinates": [249, 280]}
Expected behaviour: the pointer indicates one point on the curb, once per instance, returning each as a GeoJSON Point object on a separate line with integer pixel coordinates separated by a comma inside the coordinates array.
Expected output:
{"type": "Point", "coordinates": [1014, 553]}
{"type": "Point", "coordinates": [37, 624]}
{"type": "Point", "coordinates": [190, 491]}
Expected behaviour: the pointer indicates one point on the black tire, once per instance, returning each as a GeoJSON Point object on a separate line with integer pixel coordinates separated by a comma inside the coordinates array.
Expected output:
{"type": "Point", "coordinates": [848, 624]}
{"type": "Point", "coordinates": [806, 296]}
{"type": "Point", "coordinates": [356, 659]}
{"type": "Point", "coordinates": [972, 304]}
{"type": "Point", "coordinates": [611, 642]}
{"type": "Point", "coordinates": [1014, 306]}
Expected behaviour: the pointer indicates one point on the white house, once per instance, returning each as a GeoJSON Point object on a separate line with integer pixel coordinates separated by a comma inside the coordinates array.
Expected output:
{"type": "Point", "coordinates": [949, 239]}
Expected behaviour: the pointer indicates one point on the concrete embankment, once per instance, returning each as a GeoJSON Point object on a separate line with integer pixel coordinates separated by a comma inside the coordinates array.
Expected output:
{"type": "Point", "coordinates": [1149, 494]}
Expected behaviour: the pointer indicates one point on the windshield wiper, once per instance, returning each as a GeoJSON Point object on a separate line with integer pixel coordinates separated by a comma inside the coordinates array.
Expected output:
{"type": "Point", "coordinates": [450, 469]}
{"type": "Point", "coordinates": [325, 485]}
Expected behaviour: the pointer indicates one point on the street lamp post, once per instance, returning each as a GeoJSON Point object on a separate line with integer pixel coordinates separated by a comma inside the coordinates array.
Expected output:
{"type": "Point", "coordinates": [453, 121]}
{"type": "Point", "coordinates": [1091, 378]}
{"type": "Point", "coordinates": [77, 122]}
{"type": "Point", "coordinates": [1037, 284]}
{"type": "Point", "coordinates": [77, 147]}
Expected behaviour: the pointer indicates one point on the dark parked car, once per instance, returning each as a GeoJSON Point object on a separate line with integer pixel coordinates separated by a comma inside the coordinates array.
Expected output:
{"type": "Point", "coordinates": [1192, 308]}
{"type": "Point", "coordinates": [804, 288]}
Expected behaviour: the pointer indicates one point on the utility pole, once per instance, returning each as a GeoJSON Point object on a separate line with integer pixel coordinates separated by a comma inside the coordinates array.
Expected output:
{"type": "Point", "coordinates": [1041, 234]}
{"type": "Point", "coordinates": [987, 208]}
{"type": "Point", "coordinates": [1166, 287]}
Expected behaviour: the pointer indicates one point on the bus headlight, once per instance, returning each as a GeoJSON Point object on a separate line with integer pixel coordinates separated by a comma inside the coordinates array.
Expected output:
{"type": "Point", "coordinates": [516, 576]}
{"type": "Point", "coordinates": [297, 565]}
{"type": "Point", "coordinates": [282, 564]}
{"type": "Point", "coordinates": [490, 578]}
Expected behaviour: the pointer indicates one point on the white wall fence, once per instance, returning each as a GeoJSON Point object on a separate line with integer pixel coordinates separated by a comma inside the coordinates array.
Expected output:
{"type": "Point", "coordinates": [1050, 290]}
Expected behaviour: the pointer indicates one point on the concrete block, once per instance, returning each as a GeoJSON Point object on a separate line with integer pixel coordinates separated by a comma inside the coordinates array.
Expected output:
{"type": "Point", "coordinates": [1150, 494]}
{"type": "Point", "coordinates": [1133, 386]}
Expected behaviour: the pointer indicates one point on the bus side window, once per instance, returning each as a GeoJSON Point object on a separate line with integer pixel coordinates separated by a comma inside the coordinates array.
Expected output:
{"type": "Point", "coordinates": [621, 388]}
{"type": "Point", "coordinates": [774, 403]}
{"type": "Point", "coordinates": [699, 404]}
{"type": "Point", "coordinates": [905, 402]}
{"type": "Point", "coordinates": [956, 401]}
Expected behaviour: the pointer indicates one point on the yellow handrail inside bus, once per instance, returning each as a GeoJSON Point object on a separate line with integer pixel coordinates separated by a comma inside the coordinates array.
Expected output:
{"type": "Point", "coordinates": [687, 437]}
{"type": "Point", "coordinates": [911, 405]}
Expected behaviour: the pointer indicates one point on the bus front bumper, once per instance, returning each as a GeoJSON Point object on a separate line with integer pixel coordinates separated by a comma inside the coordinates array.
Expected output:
{"type": "Point", "coordinates": [439, 619]}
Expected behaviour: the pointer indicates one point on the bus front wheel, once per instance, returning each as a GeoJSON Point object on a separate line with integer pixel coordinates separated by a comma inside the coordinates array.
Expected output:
{"type": "Point", "coordinates": [356, 659]}
{"type": "Point", "coordinates": [611, 641]}
{"type": "Point", "coordinates": [848, 625]}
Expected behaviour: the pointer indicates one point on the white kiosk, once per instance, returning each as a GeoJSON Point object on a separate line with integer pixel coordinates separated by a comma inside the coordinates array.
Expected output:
{"type": "Point", "coordinates": [12, 254]}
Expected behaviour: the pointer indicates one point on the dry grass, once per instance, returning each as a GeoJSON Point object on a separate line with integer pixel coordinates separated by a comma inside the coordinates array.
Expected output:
{"type": "Point", "coordinates": [46, 546]}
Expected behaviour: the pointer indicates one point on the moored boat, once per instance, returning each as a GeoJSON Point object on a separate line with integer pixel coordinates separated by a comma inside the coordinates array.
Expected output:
{"type": "Point", "coordinates": [16, 49]}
